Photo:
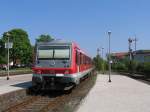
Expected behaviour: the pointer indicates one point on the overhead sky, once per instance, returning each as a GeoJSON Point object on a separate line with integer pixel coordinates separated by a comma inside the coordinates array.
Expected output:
{"type": "Point", "coordinates": [84, 21]}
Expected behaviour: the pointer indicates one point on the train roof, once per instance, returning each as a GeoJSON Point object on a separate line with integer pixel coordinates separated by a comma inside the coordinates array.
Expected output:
{"type": "Point", "coordinates": [58, 41]}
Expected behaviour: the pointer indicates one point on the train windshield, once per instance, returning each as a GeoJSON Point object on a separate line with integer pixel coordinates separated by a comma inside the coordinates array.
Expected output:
{"type": "Point", "coordinates": [53, 52]}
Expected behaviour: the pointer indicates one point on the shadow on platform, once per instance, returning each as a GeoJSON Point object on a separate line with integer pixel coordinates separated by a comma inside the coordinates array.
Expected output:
{"type": "Point", "coordinates": [23, 85]}
{"type": "Point", "coordinates": [27, 86]}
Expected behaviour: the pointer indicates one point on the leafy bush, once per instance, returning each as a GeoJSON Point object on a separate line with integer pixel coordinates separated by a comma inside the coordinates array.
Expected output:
{"type": "Point", "coordinates": [146, 68]}
{"type": "Point", "coordinates": [140, 67]}
{"type": "Point", "coordinates": [125, 65]}
{"type": "Point", "coordinates": [119, 66]}
{"type": "Point", "coordinates": [132, 66]}
{"type": "Point", "coordinates": [100, 64]}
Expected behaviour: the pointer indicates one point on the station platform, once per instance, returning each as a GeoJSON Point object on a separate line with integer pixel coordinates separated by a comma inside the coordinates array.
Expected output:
{"type": "Point", "coordinates": [123, 94]}
{"type": "Point", "coordinates": [16, 82]}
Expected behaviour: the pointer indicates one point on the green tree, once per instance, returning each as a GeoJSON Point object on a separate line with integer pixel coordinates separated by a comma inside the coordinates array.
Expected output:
{"type": "Point", "coordinates": [22, 49]}
{"type": "Point", "coordinates": [44, 38]}
{"type": "Point", "coordinates": [2, 52]}
{"type": "Point", "coordinates": [98, 62]}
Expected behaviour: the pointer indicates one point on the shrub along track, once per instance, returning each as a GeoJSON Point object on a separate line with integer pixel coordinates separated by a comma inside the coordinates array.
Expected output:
{"type": "Point", "coordinates": [55, 101]}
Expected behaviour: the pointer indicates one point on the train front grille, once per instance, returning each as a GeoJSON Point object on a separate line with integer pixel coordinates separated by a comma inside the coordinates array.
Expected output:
{"type": "Point", "coordinates": [53, 82]}
{"type": "Point", "coordinates": [48, 79]}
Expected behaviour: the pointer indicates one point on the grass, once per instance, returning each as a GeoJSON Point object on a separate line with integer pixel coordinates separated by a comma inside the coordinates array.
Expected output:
{"type": "Point", "coordinates": [16, 71]}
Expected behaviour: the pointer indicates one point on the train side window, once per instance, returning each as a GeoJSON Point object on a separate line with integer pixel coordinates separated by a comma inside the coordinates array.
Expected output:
{"type": "Point", "coordinates": [81, 58]}
{"type": "Point", "coordinates": [87, 60]}
{"type": "Point", "coordinates": [77, 57]}
{"type": "Point", "coordinates": [84, 59]}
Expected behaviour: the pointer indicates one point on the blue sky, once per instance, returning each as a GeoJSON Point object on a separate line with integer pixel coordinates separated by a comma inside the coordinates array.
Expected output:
{"type": "Point", "coordinates": [84, 21]}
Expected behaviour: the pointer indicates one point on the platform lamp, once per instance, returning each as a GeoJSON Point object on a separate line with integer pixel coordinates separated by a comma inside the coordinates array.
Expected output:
{"type": "Point", "coordinates": [102, 60]}
{"type": "Point", "coordinates": [109, 59]}
{"type": "Point", "coordinates": [8, 45]}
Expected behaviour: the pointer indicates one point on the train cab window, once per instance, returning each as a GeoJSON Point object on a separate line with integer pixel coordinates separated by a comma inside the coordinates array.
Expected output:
{"type": "Point", "coordinates": [45, 52]}
{"type": "Point", "coordinates": [61, 53]}
{"type": "Point", "coordinates": [53, 52]}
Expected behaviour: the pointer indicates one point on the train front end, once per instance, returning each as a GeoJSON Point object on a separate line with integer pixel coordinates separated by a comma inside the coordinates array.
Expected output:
{"type": "Point", "coordinates": [53, 66]}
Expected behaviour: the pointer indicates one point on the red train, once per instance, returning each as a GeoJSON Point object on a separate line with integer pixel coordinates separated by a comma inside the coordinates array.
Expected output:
{"type": "Point", "coordinates": [59, 65]}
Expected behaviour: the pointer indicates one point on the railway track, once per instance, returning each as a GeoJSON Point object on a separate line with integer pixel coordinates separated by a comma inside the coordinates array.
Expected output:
{"type": "Point", "coordinates": [39, 103]}
{"type": "Point", "coordinates": [139, 77]}
{"type": "Point", "coordinates": [54, 101]}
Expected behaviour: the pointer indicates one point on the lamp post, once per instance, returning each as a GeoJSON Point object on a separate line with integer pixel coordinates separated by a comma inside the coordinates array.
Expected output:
{"type": "Point", "coordinates": [135, 42]}
{"type": "Point", "coordinates": [98, 50]}
{"type": "Point", "coordinates": [7, 46]}
{"type": "Point", "coordinates": [109, 33]}
{"type": "Point", "coordinates": [102, 60]}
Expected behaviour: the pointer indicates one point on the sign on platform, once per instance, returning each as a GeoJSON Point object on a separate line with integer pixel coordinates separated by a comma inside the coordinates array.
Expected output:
{"type": "Point", "coordinates": [9, 45]}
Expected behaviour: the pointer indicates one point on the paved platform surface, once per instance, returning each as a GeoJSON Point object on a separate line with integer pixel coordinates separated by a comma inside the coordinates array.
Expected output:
{"type": "Point", "coordinates": [15, 83]}
{"type": "Point", "coordinates": [123, 94]}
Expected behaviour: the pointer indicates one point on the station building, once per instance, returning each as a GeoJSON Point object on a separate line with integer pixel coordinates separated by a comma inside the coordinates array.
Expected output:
{"type": "Point", "coordinates": [138, 55]}
{"type": "Point", "coordinates": [142, 56]}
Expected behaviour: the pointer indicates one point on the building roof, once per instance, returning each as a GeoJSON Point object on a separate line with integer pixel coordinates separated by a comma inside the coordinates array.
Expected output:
{"type": "Point", "coordinates": [120, 54]}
